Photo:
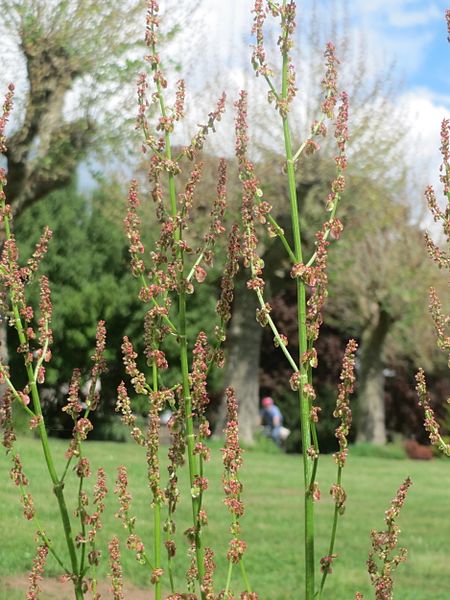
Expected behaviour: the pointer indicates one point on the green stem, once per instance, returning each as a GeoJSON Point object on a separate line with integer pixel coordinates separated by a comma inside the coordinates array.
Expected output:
{"type": "Point", "coordinates": [301, 315]}
{"type": "Point", "coordinates": [157, 545]}
{"type": "Point", "coordinates": [280, 234]}
{"type": "Point", "coordinates": [248, 587]}
{"type": "Point", "coordinates": [333, 534]}
{"type": "Point", "coordinates": [82, 512]}
{"type": "Point", "coordinates": [165, 318]}
{"type": "Point", "coordinates": [193, 469]}
{"type": "Point", "coordinates": [45, 539]}
{"type": "Point", "coordinates": [190, 438]}
{"type": "Point", "coordinates": [303, 145]}
{"type": "Point", "coordinates": [197, 262]}
{"type": "Point", "coordinates": [16, 395]}
{"type": "Point", "coordinates": [328, 230]}
{"type": "Point", "coordinates": [57, 484]}
{"type": "Point", "coordinates": [156, 512]}
{"type": "Point", "coordinates": [228, 583]}
{"type": "Point", "coordinates": [276, 333]}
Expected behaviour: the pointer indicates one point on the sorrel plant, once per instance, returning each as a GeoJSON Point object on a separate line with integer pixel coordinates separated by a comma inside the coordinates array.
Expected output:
{"type": "Point", "coordinates": [168, 275]}
{"type": "Point", "coordinates": [35, 346]}
{"type": "Point", "coordinates": [175, 269]}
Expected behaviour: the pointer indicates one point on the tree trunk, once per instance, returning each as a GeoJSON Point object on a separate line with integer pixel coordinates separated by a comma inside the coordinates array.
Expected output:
{"type": "Point", "coordinates": [242, 370]}
{"type": "Point", "coordinates": [371, 417]}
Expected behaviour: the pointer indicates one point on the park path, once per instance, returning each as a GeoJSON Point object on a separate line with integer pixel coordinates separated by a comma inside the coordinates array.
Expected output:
{"type": "Point", "coordinates": [53, 589]}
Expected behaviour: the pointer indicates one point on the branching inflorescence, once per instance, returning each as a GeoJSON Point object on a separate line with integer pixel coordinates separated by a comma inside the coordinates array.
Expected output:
{"type": "Point", "coordinates": [174, 270]}
{"type": "Point", "coordinates": [35, 339]}
{"type": "Point", "coordinates": [310, 275]}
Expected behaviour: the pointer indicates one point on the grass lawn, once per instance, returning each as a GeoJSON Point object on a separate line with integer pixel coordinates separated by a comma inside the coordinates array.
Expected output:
{"type": "Point", "coordinates": [272, 525]}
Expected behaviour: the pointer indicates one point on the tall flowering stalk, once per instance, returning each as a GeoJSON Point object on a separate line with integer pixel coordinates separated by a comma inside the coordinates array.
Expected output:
{"type": "Point", "coordinates": [232, 461]}
{"type": "Point", "coordinates": [175, 269]}
{"type": "Point", "coordinates": [35, 339]}
{"type": "Point", "coordinates": [441, 256]}
{"type": "Point", "coordinates": [383, 559]}
{"type": "Point", "coordinates": [310, 275]}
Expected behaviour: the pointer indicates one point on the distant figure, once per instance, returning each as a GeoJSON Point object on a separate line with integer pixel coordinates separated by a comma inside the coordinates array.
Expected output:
{"type": "Point", "coordinates": [272, 421]}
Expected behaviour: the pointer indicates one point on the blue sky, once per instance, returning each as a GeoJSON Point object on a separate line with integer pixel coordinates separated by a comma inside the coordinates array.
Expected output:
{"type": "Point", "coordinates": [410, 33]}
{"type": "Point", "coordinates": [414, 33]}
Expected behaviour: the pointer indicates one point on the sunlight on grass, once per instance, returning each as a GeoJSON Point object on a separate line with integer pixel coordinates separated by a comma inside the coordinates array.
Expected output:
{"type": "Point", "coordinates": [272, 526]}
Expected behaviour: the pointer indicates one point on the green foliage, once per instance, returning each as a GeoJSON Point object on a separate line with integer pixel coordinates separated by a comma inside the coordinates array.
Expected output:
{"type": "Point", "coordinates": [389, 451]}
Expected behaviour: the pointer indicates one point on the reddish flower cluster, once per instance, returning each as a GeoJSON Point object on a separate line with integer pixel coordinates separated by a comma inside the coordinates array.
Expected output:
{"type": "Point", "coordinates": [121, 489]}
{"type": "Point", "coordinates": [326, 563]}
{"type": "Point", "coordinates": [134, 542]}
{"type": "Point", "coordinates": [223, 307]}
{"type": "Point", "coordinates": [198, 376]}
{"type": "Point", "coordinates": [83, 468]}
{"type": "Point", "coordinates": [116, 569]}
{"type": "Point", "coordinates": [45, 305]}
{"type": "Point", "coordinates": [132, 223]}
{"type": "Point", "coordinates": [431, 424]}
{"type": "Point", "coordinates": [217, 214]}
{"type": "Point", "coordinates": [447, 18]}
{"type": "Point", "coordinates": [259, 54]}
{"type": "Point", "coordinates": [199, 138]}
{"type": "Point", "coordinates": [342, 136]}
{"type": "Point", "coordinates": [445, 151]}
{"type": "Point", "coordinates": [94, 520]}
{"type": "Point", "coordinates": [192, 571]}
{"type": "Point", "coordinates": [156, 575]}
{"type": "Point", "coordinates": [232, 460]}
{"type": "Point", "coordinates": [262, 314]}
{"type": "Point", "coordinates": [236, 550]}
{"type": "Point", "coordinates": [6, 111]}
{"type": "Point", "coordinates": [342, 410]}
{"type": "Point", "coordinates": [185, 200]}
{"type": "Point", "coordinates": [19, 478]}
{"type": "Point", "coordinates": [157, 401]}
{"type": "Point", "coordinates": [129, 360]}
{"type": "Point", "coordinates": [250, 191]}
{"type": "Point", "coordinates": [384, 544]}
{"type": "Point", "coordinates": [154, 333]}
{"type": "Point", "coordinates": [286, 43]}
{"type": "Point", "coordinates": [40, 251]}
{"type": "Point", "coordinates": [74, 406]}
{"type": "Point", "coordinates": [123, 405]}
{"type": "Point", "coordinates": [319, 287]}
{"type": "Point", "coordinates": [208, 579]}
{"type": "Point", "coordinates": [98, 357]}
{"type": "Point", "coordinates": [176, 460]}
{"type": "Point", "coordinates": [329, 83]}
{"type": "Point", "coordinates": [441, 323]}
{"type": "Point", "coordinates": [35, 575]}
{"type": "Point", "coordinates": [6, 422]}
{"type": "Point", "coordinates": [151, 39]}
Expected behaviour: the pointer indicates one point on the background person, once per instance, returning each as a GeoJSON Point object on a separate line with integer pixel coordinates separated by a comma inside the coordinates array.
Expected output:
{"type": "Point", "coordinates": [272, 420]}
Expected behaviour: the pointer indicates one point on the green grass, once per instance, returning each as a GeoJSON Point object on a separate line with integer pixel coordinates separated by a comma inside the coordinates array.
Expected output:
{"type": "Point", "coordinates": [272, 525]}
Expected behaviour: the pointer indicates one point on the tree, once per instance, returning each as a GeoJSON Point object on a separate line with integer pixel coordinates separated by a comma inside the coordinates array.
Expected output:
{"type": "Point", "coordinates": [76, 48]}
{"type": "Point", "coordinates": [378, 272]}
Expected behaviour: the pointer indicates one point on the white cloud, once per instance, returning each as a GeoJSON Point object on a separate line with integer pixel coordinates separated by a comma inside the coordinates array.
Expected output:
{"type": "Point", "coordinates": [414, 18]}
{"type": "Point", "coordinates": [425, 116]}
